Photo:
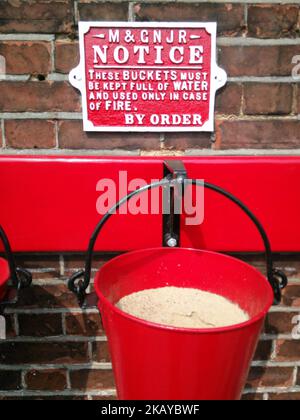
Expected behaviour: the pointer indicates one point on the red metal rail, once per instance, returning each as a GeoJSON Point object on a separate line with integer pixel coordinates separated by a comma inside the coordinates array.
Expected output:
{"type": "Point", "coordinates": [49, 203]}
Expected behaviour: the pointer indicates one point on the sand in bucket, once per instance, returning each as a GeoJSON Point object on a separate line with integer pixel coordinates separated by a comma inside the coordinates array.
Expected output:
{"type": "Point", "coordinates": [183, 307]}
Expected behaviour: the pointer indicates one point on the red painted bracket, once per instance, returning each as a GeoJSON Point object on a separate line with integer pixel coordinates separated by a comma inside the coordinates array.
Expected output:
{"type": "Point", "coordinates": [49, 203]}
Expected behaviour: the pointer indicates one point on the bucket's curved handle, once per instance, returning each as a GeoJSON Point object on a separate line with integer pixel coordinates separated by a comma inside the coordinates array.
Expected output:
{"type": "Point", "coordinates": [277, 279]}
{"type": "Point", "coordinates": [20, 277]}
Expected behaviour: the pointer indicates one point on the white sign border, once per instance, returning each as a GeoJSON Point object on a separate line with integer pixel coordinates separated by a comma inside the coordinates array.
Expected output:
{"type": "Point", "coordinates": [77, 76]}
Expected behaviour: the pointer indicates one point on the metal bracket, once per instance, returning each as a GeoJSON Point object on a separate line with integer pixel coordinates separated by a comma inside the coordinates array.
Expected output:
{"type": "Point", "coordinates": [20, 278]}
{"type": "Point", "coordinates": [11, 298]}
{"type": "Point", "coordinates": [173, 196]}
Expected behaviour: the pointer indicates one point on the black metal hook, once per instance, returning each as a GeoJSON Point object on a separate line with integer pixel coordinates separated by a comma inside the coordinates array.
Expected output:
{"type": "Point", "coordinates": [277, 279]}
{"type": "Point", "coordinates": [20, 277]}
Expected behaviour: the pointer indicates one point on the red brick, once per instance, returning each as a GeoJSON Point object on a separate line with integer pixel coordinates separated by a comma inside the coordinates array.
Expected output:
{"type": "Point", "coordinates": [272, 134]}
{"type": "Point", "coordinates": [90, 10]}
{"type": "Point", "coordinates": [291, 295]}
{"type": "Point", "coordinates": [51, 297]}
{"type": "Point", "coordinates": [253, 397]}
{"type": "Point", "coordinates": [273, 21]}
{"type": "Point", "coordinates": [46, 380]}
{"type": "Point", "coordinates": [183, 141]}
{"type": "Point", "coordinates": [41, 397]}
{"type": "Point", "coordinates": [84, 324]}
{"type": "Point", "coordinates": [270, 377]}
{"type": "Point", "coordinates": [42, 267]}
{"type": "Point", "coordinates": [289, 396]}
{"type": "Point", "coordinates": [30, 134]}
{"type": "Point", "coordinates": [258, 60]}
{"type": "Point", "coordinates": [39, 97]}
{"type": "Point", "coordinates": [72, 136]}
{"type": "Point", "coordinates": [229, 99]}
{"type": "Point", "coordinates": [43, 353]}
{"type": "Point", "coordinates": [92, 379]}
{"type": "Point", "coordinates": [10, 326]}
{"type": "Point", "coordinates": [298, 98]}
{"type": "Point", "coordinates": [26, 57]}
{"type": "Point", "coordinates": [290, 266]}
{"type": "Point", "coordinates": [268, 98]}
{"type": "Point", "coordinates": [298, 377]}
{"type": "Point", "coordinates": [288, 351]}
{"type": "Point", "coordinates": [10, 380]}
{"type": "Point", "coordinates": [66, 56]}
{"type": "Point", "coordinates": [39, 263]}
{"type": "Point", "coordinates": [101, 352]}
{"type": "Point", "coordinates": [36, 16]}
{"type": "Point", "coordinates": [264, 351]}
{"type": "Point", "coordinates": [77, 262]}
{"type": "Point", "coordinates": [280, 323]}
{"type": "Point", "coordinates": [230, 17]}
{"type": "Point", "coordinates": [106, 398]}
{"type": "Point", "coordinates": [43, 325]}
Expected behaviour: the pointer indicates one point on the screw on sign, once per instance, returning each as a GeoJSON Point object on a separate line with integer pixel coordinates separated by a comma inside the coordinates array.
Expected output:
{"type": "Point", "coordinates": [142, 76]}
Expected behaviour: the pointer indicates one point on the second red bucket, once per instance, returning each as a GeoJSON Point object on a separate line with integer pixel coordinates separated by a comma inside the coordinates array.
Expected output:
{"type": "Point", "coordinates": [4, 277]}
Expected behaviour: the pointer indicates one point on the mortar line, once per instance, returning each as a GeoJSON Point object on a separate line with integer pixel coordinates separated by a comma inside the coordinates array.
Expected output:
{"type": "Point", "coordinates": [131, 14]}
{"type": "Point", "coordinates": [56, 135]}
{"type": "Point", "coordinates": [62, 265]}
{"type": "Point", "coordinates": [3, 134]}
{"type": "Point", "coordinates": [273, 364]}
{"type": "Point", "coordinates": [78, 116]}
{"type": "Point", "coordinates": [64, 326]}
{"type": "Point", "coordinates": [61, 366]}
{"type": "Point", "coordinates": [67, 393]}
{"type": "Point", "coordinates": [275, 2]}
{"type": "Point", "coordinates": [27, 37]}
{"type": "Point", "coordinates": [273, 351]}
{"type": "Point", "coordinates": [16, 324]}
{"type": "Point", "coordinates": [246, 18]}
{"type": "Point", "coordinates": [295, 376]}
{"type": "Point", "coordinates": [59, 77]}
{"type": "Point", "coordinates": [243, 152]}
{"type": "Point", "coordinates": [221, 40]}
{"type": "Point", "coordinates": [272, 390]}
{"type": "Point", "coordinates": [90, 351]}
{"type": "Point", "coordinates": [76, 12]}
{"type": "Point", "coordinates": [23, 380]}
{"type": "Point", "coordinates": [248, 41]}
{"type": "Point", "coordinates": [68, 377]}
{"type": "Point", "coordinates": [77, 310]}
{"type": "Point", "coordinates": [295, 99]}
{"type": "Point", "coordinates": [53, 48]}
{"type": "Point", "coordinates": [266, 397]}
{"type": "Point", "coordinates": [79, 338]}
{"type": "Point", "coordinates": [55, 339]}
{"type": "Point", "coordinates": [71, 152]}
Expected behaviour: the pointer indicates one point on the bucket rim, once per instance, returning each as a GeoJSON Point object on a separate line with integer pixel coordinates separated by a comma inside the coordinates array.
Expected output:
{"type": "Point", "coordinates": [262, 314]}
{"type": "Point", "coordinates": [4, 272]}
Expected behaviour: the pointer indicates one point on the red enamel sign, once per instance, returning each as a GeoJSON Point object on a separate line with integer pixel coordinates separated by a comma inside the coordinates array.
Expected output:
{"type": "Point", "coordinates": [148, 77]}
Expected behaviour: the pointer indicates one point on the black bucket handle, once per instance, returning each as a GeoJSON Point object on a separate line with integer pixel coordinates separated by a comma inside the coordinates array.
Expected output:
{"type": "Point", "coordinates": [20, 277]}
{"type": "Point", "coordinates": [277, 279]}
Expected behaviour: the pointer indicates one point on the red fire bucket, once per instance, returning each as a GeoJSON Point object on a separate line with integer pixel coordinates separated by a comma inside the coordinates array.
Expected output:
{"type": "Point", "coordinates": [4, 277]}
{"type": "Point", "coordinates": [152, 361]}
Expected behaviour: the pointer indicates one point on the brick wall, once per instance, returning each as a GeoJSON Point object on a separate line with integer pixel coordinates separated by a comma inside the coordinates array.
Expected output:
{"type": "Point", "coordinates": [258, 110]}
{"type": "Point", "coordinates": [54, 350]}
